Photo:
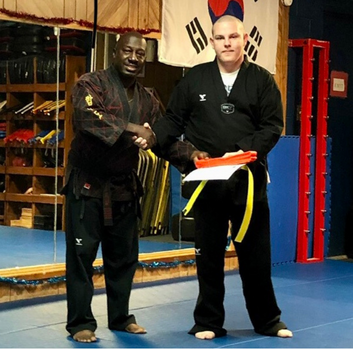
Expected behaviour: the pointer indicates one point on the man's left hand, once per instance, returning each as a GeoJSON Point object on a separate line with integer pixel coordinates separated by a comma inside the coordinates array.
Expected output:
{"type": "Point", "coordinates": [197, 155]}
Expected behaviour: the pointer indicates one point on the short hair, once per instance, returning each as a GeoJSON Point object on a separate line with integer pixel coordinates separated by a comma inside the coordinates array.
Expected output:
{"type": "Point", "coordinates": [227, 18]}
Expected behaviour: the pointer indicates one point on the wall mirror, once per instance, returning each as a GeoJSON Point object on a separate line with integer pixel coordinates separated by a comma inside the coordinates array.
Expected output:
{"type": "Point", "coordinates": [38, 67]}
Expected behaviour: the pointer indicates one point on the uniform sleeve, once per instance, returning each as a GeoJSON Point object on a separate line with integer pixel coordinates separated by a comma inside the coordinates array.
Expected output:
{"type": "Point", "coordinates": [91, 114]}
{"type": "Point", "coordinates": [171, 127]}
{"type": "Point", "coordinates": [269, 121]}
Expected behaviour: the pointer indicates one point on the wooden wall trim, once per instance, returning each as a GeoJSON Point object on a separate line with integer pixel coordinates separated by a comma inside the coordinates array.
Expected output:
{"type": "Point", "coordinates": [281, 75]}
{"type": "Point", "coordinates": [113, 16]}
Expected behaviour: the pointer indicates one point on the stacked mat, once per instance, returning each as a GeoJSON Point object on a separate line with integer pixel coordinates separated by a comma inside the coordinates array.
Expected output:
{"type": "Point", "coordinates": [155, 178]}
{"type": "Point", "coordinates": [154, 175]}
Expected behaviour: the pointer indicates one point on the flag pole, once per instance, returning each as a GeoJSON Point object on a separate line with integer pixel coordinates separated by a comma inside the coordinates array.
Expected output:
{"type": "Point", "coordinates": [94, 37]}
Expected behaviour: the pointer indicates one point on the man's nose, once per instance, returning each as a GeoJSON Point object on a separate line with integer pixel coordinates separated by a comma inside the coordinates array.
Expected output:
{"type": "Point", "coordinates": [227, 42]}
{"type": "Point", "coordinates": [133, 56]}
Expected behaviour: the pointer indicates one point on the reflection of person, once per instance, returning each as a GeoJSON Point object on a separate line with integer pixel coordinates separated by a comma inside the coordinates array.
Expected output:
{"type": "Point", "coordinates": [226, 107]}
{"type": "Point", "coordinates": [103, 189]}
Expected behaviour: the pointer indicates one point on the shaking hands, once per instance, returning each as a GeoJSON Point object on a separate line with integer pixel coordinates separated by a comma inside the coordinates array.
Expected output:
{"type": "Point", "coordinates": [144, 137]}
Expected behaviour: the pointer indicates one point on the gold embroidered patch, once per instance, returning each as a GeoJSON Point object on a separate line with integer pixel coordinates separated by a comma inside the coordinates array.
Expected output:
{"type": "Point", "coordinates": [89, 100]}
{"type": "Point", "coordinates": [95, 112]}
{"type": "Point", "coordinates": [98, 114]}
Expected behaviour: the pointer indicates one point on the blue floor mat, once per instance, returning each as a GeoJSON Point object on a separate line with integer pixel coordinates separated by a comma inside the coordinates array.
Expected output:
{"type": "Point", "coordinates": [315, 299]}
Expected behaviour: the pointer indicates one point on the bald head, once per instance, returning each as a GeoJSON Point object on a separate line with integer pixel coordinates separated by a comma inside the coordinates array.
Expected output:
{"type": "Point", "coordinates": [124, 38]}
{"type": "Point", "coordinates": [130, 54]}
{"type": "Point", "coordinates": [227, 19]}
{"type": "Point", "coordinates": [229, 40]}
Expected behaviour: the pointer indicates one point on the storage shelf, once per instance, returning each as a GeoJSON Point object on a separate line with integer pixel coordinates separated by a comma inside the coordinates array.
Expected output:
{"type": "Point", "coordinates": [34, 198]}
{"type": "Point", "coordinates": [31, 146]}
{"type": "Point", "coordinates": [41, 179]}
{"type": "Point", "coordinates": [32, 171]}
{"type": "Point", "coordinates": [31, 88]}
{"type": "Point", "coordinates": [19, 170]}
{"type": "Point", "coordinates": [50, 172]}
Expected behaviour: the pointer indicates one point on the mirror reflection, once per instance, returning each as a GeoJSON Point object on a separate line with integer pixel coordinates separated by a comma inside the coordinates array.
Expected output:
{"type": "Point", "coordinates": [38, 68]}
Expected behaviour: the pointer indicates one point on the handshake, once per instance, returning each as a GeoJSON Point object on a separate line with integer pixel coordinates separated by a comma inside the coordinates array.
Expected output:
{"type": "Point", "coordinates": [144, 137]}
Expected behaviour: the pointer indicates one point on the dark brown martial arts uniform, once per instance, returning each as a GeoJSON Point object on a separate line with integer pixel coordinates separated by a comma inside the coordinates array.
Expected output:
{"type": "Point", "coordinates": [102, 195]}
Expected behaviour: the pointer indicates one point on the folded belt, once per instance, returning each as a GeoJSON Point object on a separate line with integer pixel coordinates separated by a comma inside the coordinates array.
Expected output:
{"type": "Point", "coordinates": [248, 207]}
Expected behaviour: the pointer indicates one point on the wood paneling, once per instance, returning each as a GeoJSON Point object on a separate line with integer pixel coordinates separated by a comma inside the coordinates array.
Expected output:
{"type": "Point", "coordinates": [10, 5]}
{"type": "Point", "coordinates": [143, 15]}
{"type": "Point", "coordinates": [139, 14]}
{"type": "Point", "coordinates": [282, 54]}
{"type": "Point", "coordinates": [81, 9]}
{"type": "Point", "coordinates": [55, 10]}
{"type": "Point", "coordinates": [154, 14]}
{"type": "Point", "coordinates": [69, 8]}
{"type": "Point", "coordinates": [134, 14]}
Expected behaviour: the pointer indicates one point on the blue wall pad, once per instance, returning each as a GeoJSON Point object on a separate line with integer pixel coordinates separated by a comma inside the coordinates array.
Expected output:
{"type": "Point", "coordinates": [177, 201]}
{"type": "Point", "coordinates": [283, 198]}
{"type": "Point", "coordinates": [283, 162]}
{"type": "Point", "coordinates": [328, 196]}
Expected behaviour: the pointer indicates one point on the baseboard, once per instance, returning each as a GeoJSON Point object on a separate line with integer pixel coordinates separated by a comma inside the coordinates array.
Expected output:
{"type": "Point", "coordinates": [15, 282]}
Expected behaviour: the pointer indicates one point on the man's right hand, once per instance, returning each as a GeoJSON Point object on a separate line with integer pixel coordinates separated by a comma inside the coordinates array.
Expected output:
{"type": "Point", "coordinates": [198, 155]}
{"type": "Point", "coordinates": [144, 137]}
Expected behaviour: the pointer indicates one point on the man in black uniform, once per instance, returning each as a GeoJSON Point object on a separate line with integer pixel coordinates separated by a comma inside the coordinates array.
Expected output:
{"type": "Point", "coordinates": [103, 190]}
{"type": "Point", "coordinates": [226, 107]}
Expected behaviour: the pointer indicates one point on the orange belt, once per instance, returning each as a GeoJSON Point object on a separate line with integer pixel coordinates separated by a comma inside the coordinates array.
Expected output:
{"type": "Point", "coordinates": [238, 159]}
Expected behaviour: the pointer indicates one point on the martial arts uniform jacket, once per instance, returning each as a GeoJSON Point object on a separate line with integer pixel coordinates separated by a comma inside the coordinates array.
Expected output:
{"type": "Point", "coordinates": [250, 118]}
{"type": "Point", "coordinates": [102, 154]}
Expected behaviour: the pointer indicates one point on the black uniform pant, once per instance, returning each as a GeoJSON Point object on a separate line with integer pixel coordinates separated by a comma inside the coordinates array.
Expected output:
{"type": "Point", "coordinates": [84, 232]}
{"type": "Point", "coordinates": [254, 254]}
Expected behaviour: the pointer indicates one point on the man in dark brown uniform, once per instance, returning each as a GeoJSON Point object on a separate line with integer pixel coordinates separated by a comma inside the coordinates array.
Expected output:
{"type": "Point", "coordinates": [103, 190]}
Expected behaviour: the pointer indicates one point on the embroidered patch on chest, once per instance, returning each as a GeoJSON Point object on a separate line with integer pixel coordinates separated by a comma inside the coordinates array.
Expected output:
{"type": "Point", "coordinates": [227, 108]}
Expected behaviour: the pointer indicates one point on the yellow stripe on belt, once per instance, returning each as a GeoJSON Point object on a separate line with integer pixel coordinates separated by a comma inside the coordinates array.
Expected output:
{"type": "Point", "coordinates": [248, 208]}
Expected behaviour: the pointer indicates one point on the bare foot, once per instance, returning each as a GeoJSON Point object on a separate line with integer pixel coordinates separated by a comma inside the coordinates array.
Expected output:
{"type": "Point", "coordinates": [85, 336]}
{"type": "Point", "coordinates": [205, 335]}
{"type": "Point", "coordinates": [284, 333]}
{"type": "Point", "coordinates": [135, 329]}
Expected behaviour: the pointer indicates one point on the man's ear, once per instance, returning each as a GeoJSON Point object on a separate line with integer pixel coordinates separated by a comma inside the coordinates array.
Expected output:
{"type": "Point", "coordinates": [246, 37]}
{"type": "Point", "coordinates": [212, 42]}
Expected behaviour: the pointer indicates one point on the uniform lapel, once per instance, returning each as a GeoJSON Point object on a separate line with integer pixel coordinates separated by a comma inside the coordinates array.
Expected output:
{"type": "Point", "coordinates": [122, 95]}
{"type": "Point", "coordinates": [134, 114]}
{"type": "Point", "coordinates": [221, 92]}
{"type": "Point", "coordinates": [233, 92]}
